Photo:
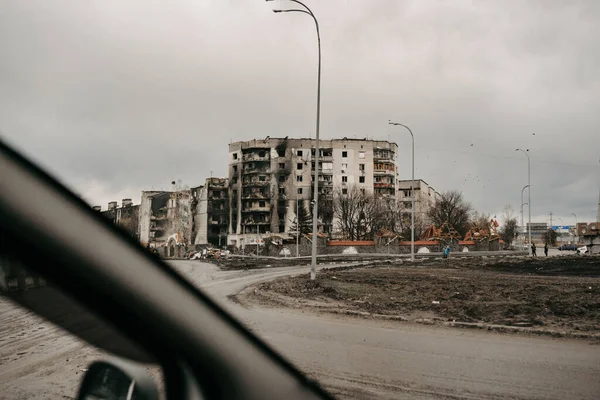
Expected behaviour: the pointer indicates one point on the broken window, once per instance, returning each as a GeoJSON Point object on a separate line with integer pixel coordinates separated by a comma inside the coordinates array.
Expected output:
{"type": "Point", "coordinates": [361, 167]}
{"type": "Point", "coordinates": [344, 191]}
{"type": "Point", "coordinates": [362, 190]}
{"type": "Point", "coordinates": [299, 190]}
{"type": "Point", "coordinates": [299, 165]}
{"type": "Point", "coordinates": [344, 154]}
{"type": "Point", "coordinates": [262, 178]}
{"type": "Point", "coordinates": [344, 179]}
{"type": "Point", "coordinates": [235, 156]}
{"type": "Point", "coordinates": [261, 203]}
{"type": "Point", "coordinates": [261, 154]}
{"type": "Point", "coordinates": [298, 178]}
{"type": "Point", "coordinates": [235, 168]}
{"type": "Point", "coordinates": [282, 191]}
{"type": "Point", "coordinates": [281, 178]}
{"type": "Point", "coordinates": [281, 165]}
{"type": "Point", "coordinates": [299, 153]}
{"type": "Point", "coordinates": [361, 179]}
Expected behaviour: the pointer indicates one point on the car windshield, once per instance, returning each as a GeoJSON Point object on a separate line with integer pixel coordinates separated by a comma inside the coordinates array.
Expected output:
{"type": "Point", "coordinates": [401, 197]}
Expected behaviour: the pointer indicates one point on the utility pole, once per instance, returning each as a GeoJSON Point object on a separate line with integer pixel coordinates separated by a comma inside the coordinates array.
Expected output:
{"type": "Point", "coordinates": [549, 233]}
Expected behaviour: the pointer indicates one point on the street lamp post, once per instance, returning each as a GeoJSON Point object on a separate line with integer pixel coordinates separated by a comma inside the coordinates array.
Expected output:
{"type": "Point", "coordinates": [313, 262]}
{"type": "Point", "coordinates": [575, 215]}
{"type": "Point", "coordinates": [526, 152]}
{"type": "Point", "coordinates": [523, 205]}
{"type": "Point", "coordinates": [412, 193]}
{"type": "Point", "coordinates": [525, 187]}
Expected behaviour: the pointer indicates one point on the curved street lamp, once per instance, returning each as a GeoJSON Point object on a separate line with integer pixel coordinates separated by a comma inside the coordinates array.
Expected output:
{"type": "Point", "coordinates": [526, 152]}
{"type": "Point", "coordinates": [313, 263]}
{"type": "Point", "coordinates": [412, 193]}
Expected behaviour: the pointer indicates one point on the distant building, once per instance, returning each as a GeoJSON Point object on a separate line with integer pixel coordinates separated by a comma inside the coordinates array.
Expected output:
{"type": "Point", "coordinates": [268, 177]}
{"type": "Point", "coordinates": [166, 218]}
{"type": "Point", "coordinates": [538, 230]}
{"type": "Point", "coordinates": [126, 216]}
{"type": "Point", "coordinates": [185, 217]}
{"type": "Point", "coordinates": [425, 196]}
{"type": "Point", "coordinates": [210, 206]}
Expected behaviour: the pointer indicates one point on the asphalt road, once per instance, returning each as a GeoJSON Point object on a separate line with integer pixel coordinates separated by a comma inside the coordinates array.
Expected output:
{"type": "Point", "coordinates": [353, 358]}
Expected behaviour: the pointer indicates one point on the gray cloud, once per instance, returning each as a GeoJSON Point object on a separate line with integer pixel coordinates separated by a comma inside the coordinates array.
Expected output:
{"type": "Point", "coordinates": [116, 96]}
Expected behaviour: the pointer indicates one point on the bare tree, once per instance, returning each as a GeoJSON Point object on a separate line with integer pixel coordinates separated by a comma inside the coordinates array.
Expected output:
{"type": "Point", "coordinates": [508, 231]}
{"type": "Point", "coordinates": [481, 220]}
{"type": "Point", "coordinates": [360, 214]}
{"type": "Point", "coordinates": [452, 208]}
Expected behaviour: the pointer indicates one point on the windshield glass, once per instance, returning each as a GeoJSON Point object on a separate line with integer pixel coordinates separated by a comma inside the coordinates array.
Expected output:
{"type": "Point", "coordinates": [401, 197]}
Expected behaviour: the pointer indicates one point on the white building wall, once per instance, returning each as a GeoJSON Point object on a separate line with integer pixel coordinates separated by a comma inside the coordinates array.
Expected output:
{"type": "Point", "coordinates": [144, 223]}
{"type": "Point", "coordinates": [201, 217]}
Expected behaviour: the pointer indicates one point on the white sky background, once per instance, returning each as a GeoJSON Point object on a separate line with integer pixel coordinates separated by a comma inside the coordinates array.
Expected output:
{"type": "Point", "coordinates": [118, 96]}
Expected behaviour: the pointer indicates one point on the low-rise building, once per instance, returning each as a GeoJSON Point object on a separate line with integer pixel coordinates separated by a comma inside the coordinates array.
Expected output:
{"type": "Point", "coordinates": [126, 216]}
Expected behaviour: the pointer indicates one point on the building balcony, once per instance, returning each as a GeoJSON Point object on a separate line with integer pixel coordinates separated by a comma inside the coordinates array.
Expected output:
{"type": "Point", "coordinates": [386, 172]}
{"type": "Point", "coordinates": [266, 208]}
{"type": "Point", "coordinates": [256, 158]}
{"type": "Point", "coordinates": [383, 185]}
{"type": "Point", "coordinates": [218, 211]}
{"type": "Point", "coordinates": [250, 171]}
{"type": "Point", "coordinates": [255, 183]}
{"type": "Point", "coordinates": [383, 155]}
{"type": "Point", "coordinates": [325, 183]}
{"type": "Point", "coordinates": [323, 172]}
{"type": "Point", "coordinates": [257, 196]}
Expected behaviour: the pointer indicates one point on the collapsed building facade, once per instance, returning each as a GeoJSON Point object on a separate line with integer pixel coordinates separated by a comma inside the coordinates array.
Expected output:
{"type": "Point", "coordinates": [185, 217]}
{"type": "Point", "coordinates": [271, 178]}
{"type": "Point", "coordinates": [210, 205]}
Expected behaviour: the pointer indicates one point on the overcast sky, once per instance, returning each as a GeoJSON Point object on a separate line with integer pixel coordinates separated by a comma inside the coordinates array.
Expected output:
{"type": "Point", "coordinates": [116, 96]}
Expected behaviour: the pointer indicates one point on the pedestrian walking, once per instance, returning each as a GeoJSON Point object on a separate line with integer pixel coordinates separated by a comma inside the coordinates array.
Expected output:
{"type": "Point", "coordinates": [446, 252]}
{"type": "Point", "coordinates": [533, 250]}
{"type": "Point", "coordinates": [546, 249]}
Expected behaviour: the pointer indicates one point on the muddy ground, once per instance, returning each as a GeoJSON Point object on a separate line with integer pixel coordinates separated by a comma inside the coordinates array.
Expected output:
{"type": "Point", "coordinates": [560, 294]}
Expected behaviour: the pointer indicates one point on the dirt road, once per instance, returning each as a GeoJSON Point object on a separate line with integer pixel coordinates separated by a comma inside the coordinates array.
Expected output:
{"type": "Point", "coordinates": [352, 358]}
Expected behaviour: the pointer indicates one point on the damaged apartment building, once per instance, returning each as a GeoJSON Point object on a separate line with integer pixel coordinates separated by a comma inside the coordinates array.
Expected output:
{"type": "Point", "coordinates": [271, 178]}
{"type": "Point", "coordinates": [184, 216]}
{"type": "Point", "coordinates": [126, 216]}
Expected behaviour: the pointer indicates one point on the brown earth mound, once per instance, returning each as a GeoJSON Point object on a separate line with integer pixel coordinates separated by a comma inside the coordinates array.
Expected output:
{"type": "Point", "coordinates": [555, 293]}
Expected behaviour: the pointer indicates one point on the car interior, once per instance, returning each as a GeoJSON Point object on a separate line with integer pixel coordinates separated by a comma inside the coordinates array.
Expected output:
{"type": "Point", "coordinates": [85, 275]}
